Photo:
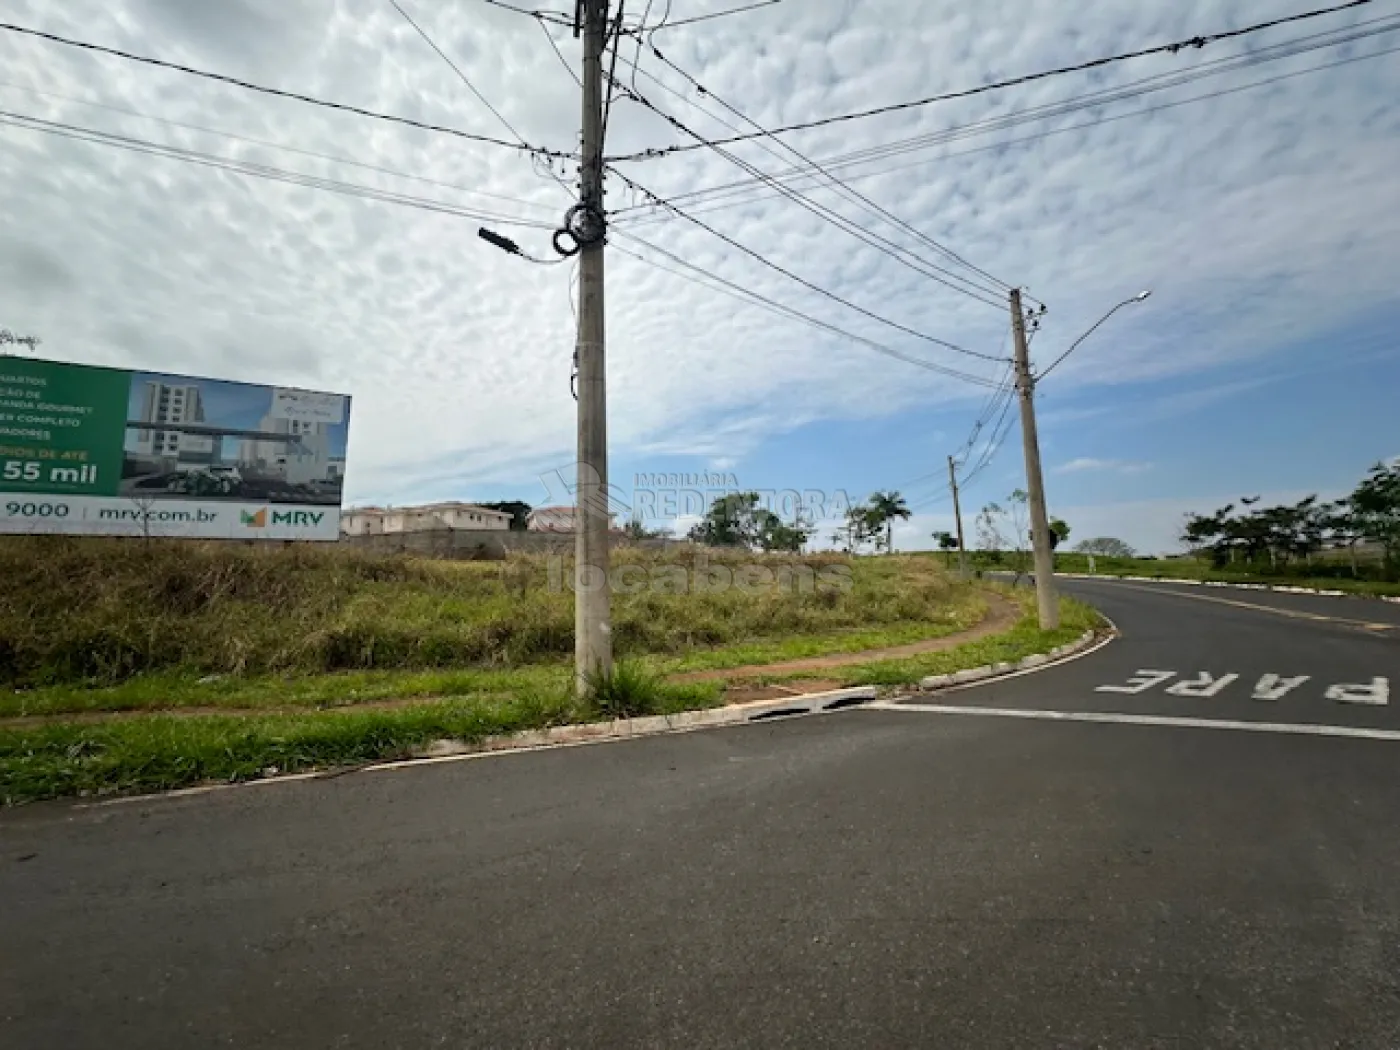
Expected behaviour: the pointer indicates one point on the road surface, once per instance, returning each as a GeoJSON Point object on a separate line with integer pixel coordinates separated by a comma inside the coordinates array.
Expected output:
{"type": "Point", "coordinates": [884, 878]}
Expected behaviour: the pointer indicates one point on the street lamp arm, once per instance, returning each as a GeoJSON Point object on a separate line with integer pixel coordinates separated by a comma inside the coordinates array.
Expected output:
{"type": "Point", "coordinates": [1055, 363]}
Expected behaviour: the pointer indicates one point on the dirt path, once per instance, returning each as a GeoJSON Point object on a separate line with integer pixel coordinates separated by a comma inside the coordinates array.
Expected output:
{"type": "Point", "coordinates": [1001, 615]}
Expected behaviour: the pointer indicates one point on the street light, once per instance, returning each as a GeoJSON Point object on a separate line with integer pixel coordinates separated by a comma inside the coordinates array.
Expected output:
{"type": "Point", "coordinates": [1140, 297]}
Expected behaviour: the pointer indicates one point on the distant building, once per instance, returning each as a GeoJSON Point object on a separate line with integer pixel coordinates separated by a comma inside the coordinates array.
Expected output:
{"type": "Point", "coordinates": [166, 403]}
{"type": "Point", "coordinates": [551, 519]}
{"type": "Point", "coordinates": [559, 519]}
{"type": "Point", "coordinates": [430, 517]}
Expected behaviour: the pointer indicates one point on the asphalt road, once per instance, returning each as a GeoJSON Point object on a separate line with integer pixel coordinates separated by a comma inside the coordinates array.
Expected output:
{"type": "Point", "coordinates": [883, 878]}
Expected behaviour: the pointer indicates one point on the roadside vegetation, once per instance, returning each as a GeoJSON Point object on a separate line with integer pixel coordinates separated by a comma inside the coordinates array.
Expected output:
{"type": "Point", "coordinates": [151, 665]}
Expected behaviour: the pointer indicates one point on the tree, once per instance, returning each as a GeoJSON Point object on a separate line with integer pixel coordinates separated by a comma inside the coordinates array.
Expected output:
{"type": "Point", "coordinates": [519, 513]}
{"type": "Point", "coordinates": [636, 530]}
{"type": "Point", "coordinates": [885, 507]}
{"type": "Point", "coordinates": [738, 520]}
{"type": "Point", "coordinates": [947, 543]}
{"type": "Point", "coordinates": [1059, 533]}
{"type": "Point", "coordinates": [1107, 546]}
{"type": "Point", "coordinates": [1375, 506]}
{"type": "Point", "coordinates": [862, 525]}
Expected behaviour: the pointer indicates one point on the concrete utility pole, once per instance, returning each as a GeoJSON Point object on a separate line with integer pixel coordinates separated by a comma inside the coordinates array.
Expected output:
{"type": "Point", "coordinates": [592, 589]}
{"type": "Point", "coordinates": [957, 512]}
{"type": "Point", "coordinates": [1035, 482]}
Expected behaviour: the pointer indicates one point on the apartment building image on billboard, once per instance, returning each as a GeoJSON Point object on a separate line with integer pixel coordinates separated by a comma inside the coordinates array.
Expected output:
{"type": "Point", "coordinates": [211, 439]}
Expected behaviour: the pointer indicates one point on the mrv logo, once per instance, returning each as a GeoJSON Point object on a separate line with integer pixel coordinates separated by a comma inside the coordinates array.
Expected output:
{"type": "Point", "coordinates": [295, 518]}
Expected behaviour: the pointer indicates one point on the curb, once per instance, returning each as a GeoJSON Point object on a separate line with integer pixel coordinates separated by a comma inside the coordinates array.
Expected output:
{"type": "Point", "coordinates": [650, 725]}
{"type": "Point", "coordinates": [1276, 588]}
{"type": "Point", "coordinates": [1033, 662]}
{"type": "Point", "coordinates": [543, 739]}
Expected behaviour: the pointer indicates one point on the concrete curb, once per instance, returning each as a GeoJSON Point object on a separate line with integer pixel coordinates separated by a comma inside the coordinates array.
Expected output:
{"type": "Point", "coordinates": [1027, 663]}
{"type": "Point", "coordinates": [1277, 589]}
{"type": "Point", "coordinates": [651, 725]}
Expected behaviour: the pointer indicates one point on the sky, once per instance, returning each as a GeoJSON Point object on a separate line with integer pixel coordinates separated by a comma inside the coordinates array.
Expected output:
{"type": "Point", "coordinates": [1263, 220]}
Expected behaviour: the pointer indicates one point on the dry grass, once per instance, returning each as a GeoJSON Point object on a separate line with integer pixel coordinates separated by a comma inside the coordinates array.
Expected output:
{"type": "Point", "coordinates": [101, 612]}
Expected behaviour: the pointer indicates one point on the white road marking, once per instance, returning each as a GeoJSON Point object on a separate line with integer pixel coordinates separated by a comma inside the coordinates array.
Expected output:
{"type": "Point", "coordinates": [1203, 685]}
{"type": "Point", "coordinates": [1375, 694]}
{"type": "Point", "coordinates": [1273, 687]}
{"type": "Point", "coordinates": [1139, 683]}
{"type": "Point", "coordinates": [1108, 718]}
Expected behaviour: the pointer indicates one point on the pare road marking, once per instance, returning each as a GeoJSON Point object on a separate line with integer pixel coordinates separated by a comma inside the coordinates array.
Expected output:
{"type": "Point", "coordinates": [1269, 687]}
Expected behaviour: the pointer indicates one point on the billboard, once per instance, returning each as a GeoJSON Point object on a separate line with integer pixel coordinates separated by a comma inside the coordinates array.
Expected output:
{"type": "Point", "coordinates": [102, 451]}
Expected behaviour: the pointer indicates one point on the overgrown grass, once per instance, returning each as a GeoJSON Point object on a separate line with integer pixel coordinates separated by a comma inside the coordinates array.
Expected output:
{"type": "Point", "coordinates": [102, 612]}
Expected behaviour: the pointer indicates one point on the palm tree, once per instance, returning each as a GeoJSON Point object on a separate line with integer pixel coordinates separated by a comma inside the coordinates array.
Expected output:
{"type": "Point", "coordinates": [885, 507]}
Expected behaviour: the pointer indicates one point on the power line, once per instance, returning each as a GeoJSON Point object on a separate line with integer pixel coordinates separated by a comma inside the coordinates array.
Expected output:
{"type": "Point", "coordinates": [557, 17]}
{"type": "Point", "coordinates": [202, 159]}
{"type": "Point", "coordinates": [1087, 101]}
{"type": "Point", "coordinates": [801, 280]}
{"type": "Point", "coordinates": [840, 221]}
{"type": "Point", "coordinates": [1172, 48]}
{"type": "Point", "coordinates": [754, 298]}
{"type": "Point", "coordinates": [718, 14]}
{"type": "Point", "coordinates": [278, 92]}
{"type": "Point", "coordinates": [562, 60]}
{"type": "Point", "coordinates": [334, 158]}
{"type": "Point", "coordinates": [460, 75]}
{"type": "Point", "coordinates": [879, 243]}
{"type": "Point", "coordinates": [851, 194]}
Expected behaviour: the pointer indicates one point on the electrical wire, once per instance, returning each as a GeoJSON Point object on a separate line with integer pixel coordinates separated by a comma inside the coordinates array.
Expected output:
{"type": "Point", "coordinates": [754, 298]}
{"type": "Point", "coordinates": [1097, 63]}
{"type": "Point", "coordinates": [261, 171]}
{"type": "Point", "coordinates": [557, 17]}
{"type": "Point", "coordinates": [278, 92]}
{"type": "Point", "coordinates": [716, 14]}
{"type": "Point", "coordinates": [479, 96]}
{"type": "Point", "coordinates": [899, 253]}
{"type": "Point", "coordinates": [801, 280]}
{"type": "Point", "coordinates": [999, 286]}
{"type": "Point", "coordinates": [333, 158]}
{"type": "Point", "coordinates": [562, 60]}
{"type": "Point", "coordinates": [1088, 101]}
{"type": "Point", "coordinates": [881, 244]}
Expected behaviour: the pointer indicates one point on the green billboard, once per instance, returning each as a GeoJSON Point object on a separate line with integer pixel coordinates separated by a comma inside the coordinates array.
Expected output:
{"type": "Point", "coordinates": [86, 449]}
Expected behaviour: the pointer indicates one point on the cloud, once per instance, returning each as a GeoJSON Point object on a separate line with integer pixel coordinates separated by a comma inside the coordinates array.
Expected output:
{"type": "Point", "coordinates": [1087, 464]}
{"type": "Point", "coordinates": [1236, 212]}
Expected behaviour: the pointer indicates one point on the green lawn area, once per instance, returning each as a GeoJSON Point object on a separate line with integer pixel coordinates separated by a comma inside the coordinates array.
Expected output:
{"type": "Point", "coordinates": [1198, 569]}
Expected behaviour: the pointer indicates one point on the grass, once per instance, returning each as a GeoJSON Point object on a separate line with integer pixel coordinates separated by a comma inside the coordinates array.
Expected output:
{"type": "Point", "coordinates": [1024, 639]}
{"type": "Point", "coordinates": [154, 666]}
{"type": "Point", "coordinates": [103, 612]}
{"type": "Point", "coordinates": [1324, 576]}
{"type": "Point", "coordinates": [159, 752]}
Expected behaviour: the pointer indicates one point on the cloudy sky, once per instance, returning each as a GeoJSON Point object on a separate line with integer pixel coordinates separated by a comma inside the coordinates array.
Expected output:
{"type": "Point", "coordinates": [1264, 219]}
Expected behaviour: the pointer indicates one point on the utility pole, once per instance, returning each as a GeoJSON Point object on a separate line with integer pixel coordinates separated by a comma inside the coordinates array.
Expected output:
{"type": "Point", "coordinates": [592, 589]}
{"type": "Point", "coordinates": [1035, 482]}
{"type": "Point", "coordinates": [957, 512]}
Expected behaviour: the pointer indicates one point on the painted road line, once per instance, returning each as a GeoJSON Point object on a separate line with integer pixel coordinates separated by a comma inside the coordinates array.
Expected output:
{"type": "Point", "coordinates": [1104, 718]}
{"type": "Point", "coordinates": [1294, 614]}
{"type": "Point", "coordinates": [1375, 693]}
